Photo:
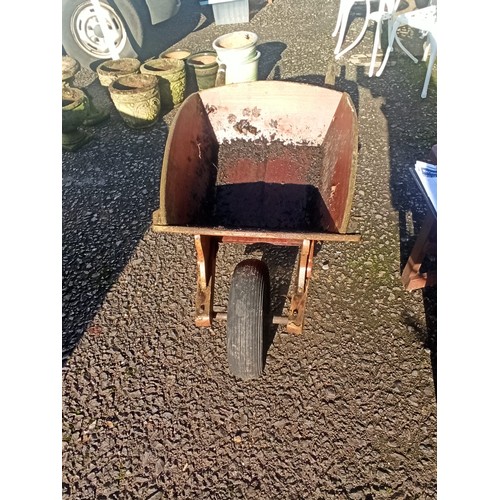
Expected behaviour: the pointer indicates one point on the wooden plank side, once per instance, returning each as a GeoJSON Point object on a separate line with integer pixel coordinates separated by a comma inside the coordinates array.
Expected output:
{"type": "Point", "coordinates": [257, 235]}
{"type": "Point", "coordinates": [189, 166]}
{"type": "Point", "coordinates": [339, 167]}
{"type": "Point", "coordinates": [283, 111]}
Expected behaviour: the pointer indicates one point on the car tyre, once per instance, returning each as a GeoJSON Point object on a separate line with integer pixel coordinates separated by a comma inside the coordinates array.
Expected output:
{"type": "Point", "coordinates": [85, 44]}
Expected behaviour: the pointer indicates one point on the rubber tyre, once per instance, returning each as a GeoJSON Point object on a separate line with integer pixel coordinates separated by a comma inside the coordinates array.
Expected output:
{"type": "Point", "coordinates": [132, 18]}
{"type": "Point", "coordinates": [247, 319]}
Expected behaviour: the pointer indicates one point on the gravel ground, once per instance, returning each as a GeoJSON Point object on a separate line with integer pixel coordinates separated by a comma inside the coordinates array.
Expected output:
{"type": "Point", "coordinates": [345, 411]}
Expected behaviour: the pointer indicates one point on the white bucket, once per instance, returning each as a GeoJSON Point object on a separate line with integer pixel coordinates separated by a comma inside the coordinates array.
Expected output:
{"type": "Point", "coordinates": [241, 72]}
{"type": "Point", "coordinates": [235, 47]}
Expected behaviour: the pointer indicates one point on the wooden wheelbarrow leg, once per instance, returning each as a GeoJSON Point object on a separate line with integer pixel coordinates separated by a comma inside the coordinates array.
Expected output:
{"type": "Point", "coordinates": [298, 300]}
{"type": "Point", "coordinates": [426, 240]}
{"type": "Point", "coordinates": [206, 253]}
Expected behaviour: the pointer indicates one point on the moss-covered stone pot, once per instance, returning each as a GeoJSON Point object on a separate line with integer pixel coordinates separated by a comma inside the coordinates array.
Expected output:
{"type": "Point", "coordinates": [70, 68]}
{"type": "Point", "coordinates": [202, 70]}
{"type": "Point", "coordinates": [137, 99]}
{"type": "Point", "coordinates": [180, 54]}
{"type": "Point", "coordinates": [74, 113]}
{"type": "Point", "coordinates": [172, 80]}
{"type": "Point", "coordinates": [109, 71]}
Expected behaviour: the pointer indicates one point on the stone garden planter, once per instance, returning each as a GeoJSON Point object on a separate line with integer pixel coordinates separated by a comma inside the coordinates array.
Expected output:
{"type": "Point", "coordinates": [109, 71]}
{"type": "Point", "coordinates": [74, 112]}
{"type": "Point", "coordinates": [137, 99]}
{"type": "Point", "coordinates": [202, 70]}
{"type": "Point", "coordinates": [172, 80]}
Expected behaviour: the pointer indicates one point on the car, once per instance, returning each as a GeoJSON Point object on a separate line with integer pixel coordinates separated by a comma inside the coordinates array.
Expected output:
{"type": "Point", "coordinates": [121, 32]}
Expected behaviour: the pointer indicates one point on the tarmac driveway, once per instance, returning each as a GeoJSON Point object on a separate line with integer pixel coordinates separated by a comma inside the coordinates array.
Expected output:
{"type": "Point", "coordinates": [345, 411]}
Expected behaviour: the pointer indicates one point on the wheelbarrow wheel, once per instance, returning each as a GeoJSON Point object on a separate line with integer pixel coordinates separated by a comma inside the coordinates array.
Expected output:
{"type": "Point", "coordinates": [247, 319]}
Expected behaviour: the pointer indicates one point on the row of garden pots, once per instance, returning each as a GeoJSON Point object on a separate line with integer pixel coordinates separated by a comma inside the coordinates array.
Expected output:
{"type": "Point", "coordinates": [140, 91]}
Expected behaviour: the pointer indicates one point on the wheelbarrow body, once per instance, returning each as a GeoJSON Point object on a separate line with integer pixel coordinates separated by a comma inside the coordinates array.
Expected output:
{"type": "Point", "coordinates": [297, 195]}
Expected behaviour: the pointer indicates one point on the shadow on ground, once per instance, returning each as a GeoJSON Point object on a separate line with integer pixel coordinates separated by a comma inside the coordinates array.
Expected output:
{"type": "Point", "coordinates": [270, 56]}
{"type": "Point", "coordinates": [281, 262]}
{"type": "Point", "coordinates": [105, 213]}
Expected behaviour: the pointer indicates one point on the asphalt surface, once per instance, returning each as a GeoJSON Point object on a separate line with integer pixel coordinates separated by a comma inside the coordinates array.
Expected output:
{"type": "Point", "coordinates": [345, 411]}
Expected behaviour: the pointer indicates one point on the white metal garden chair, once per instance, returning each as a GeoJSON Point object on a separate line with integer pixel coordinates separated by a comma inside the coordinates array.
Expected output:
{"type": "Point", "coordinates": [425, 20]}
{"type": "Point", "coordinates": [386, 10]}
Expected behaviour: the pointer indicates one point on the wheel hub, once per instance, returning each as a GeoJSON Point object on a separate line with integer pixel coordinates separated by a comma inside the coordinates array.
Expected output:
{"type": "Point", "coordinates": [88, 33]}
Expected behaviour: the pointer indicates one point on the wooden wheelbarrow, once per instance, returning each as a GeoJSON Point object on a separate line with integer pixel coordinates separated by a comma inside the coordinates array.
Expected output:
{"type": "Point", "coordinates": [261, 162]}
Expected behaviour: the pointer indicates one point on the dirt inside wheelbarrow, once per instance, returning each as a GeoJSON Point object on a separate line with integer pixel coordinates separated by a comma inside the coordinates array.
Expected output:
{"type": "Point", "coordinates": [268, 185]}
